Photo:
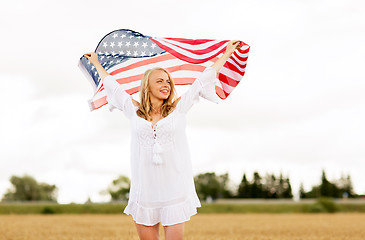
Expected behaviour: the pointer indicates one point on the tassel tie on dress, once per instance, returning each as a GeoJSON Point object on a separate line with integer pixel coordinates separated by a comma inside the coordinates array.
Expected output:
{"type": "Point", "coordinates": [157, 149]}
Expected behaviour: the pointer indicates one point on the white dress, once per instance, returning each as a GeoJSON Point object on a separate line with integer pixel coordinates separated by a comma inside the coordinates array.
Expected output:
{"type": "Point", "coordinates": [162, 182]}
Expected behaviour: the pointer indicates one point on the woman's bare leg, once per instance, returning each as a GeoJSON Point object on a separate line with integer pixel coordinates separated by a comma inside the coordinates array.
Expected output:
{"type": "Point", "coordinates": [148, 232]}
{"type": "Point", "coordinates": [174, 232]}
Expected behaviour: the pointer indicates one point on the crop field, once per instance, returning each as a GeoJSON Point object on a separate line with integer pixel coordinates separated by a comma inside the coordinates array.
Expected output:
{"type": "Point", "coordinates": [201, 227]}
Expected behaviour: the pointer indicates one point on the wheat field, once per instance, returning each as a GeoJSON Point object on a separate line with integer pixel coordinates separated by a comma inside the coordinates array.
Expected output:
{"type": "Point", "coordinates": [200, 227]}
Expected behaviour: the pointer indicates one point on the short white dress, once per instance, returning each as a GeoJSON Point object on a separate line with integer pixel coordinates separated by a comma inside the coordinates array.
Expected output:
{"type": "Point", "coordinates": [162, 181]}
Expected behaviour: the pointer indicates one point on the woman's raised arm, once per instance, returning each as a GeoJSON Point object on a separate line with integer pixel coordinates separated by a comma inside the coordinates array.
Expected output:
{"type": "Point", "coordinates": [93, 59]}
{"type": "Point", "coordinates": [231, 47]}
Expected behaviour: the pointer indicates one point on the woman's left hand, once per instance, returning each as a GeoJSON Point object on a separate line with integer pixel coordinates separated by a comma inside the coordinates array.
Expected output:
{"type": "Point", "coordinates": [233, 45]}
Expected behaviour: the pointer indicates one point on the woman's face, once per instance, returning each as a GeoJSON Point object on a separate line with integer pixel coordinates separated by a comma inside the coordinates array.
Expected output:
{"type": "Point", "coordinates": [159, 84]}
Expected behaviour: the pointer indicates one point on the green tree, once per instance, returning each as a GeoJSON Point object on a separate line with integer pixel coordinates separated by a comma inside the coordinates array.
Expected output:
{"type": "Point", "coordinates": [119, 188]}
{"type": "Point", "coordinates": [26, 188]}
{"type": "Point", "coordinates": [257, 190]}
{"type": "Point", "coordinates": [209, 184]}
{"type": "Point", "coordinates": [244, 189]}
{"type": "Point", "coordinates": [302, 193]}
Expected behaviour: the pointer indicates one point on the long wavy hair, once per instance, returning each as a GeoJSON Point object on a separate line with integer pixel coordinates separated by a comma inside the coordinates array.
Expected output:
{"type": "Point", "coordinates": [145, 107]}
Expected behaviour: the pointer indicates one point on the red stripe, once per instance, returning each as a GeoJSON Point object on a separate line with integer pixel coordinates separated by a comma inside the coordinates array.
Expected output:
{"type": "Point", "coordinates": [233, 67]}
{"type": "Point", "coordinates": [183, 81]}
{"type": "Point", "coordinates": [198, 51]}
{"type": "Point", "coordinates": [185, 58]}
{"type": "Point", "coordinates": [190, 41]}
{"type": "Point", "coordinates": [164, 57]}
{"type": "Point", "coordinates": [187, 66]}
{"type": "Point", "coordinates": [221, 93]}
{"type": "Point", "coordinates": [227, 80]}
{"type": "Point", "coordinates": [98, 103]}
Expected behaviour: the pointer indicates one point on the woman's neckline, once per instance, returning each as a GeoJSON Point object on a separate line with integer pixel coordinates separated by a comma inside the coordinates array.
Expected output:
{"type": "Point", "coordinates": [153, 125]}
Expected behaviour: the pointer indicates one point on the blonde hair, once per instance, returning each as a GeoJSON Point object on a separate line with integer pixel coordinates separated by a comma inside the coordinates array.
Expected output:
{"type": "Point", "coordinates": [145, 107]}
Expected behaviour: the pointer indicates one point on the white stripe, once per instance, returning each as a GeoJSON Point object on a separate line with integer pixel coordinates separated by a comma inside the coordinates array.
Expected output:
{"type": "Point", "coordinates": [235, 64]}
{"type": "Point", "coordinates": [192, 55]}
{"type": "Point", "coordinates": [238, 60]}
{"type": "Point", "coordinates": [230, 73]}
{"type": "Point", "coordinates": [189, 46]}
{"type": "Point", "coordinates": [241, 55]}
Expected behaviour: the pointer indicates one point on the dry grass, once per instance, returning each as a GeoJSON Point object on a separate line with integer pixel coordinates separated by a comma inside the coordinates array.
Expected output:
{"type": "Point", "coordinates": [201, 227]}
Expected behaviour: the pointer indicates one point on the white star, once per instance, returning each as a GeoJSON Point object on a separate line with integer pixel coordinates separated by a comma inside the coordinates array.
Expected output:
{"type": "Point", "coordinates": [144, 44]}
{"type": "Point", "coordinates": [135, 53]}
{"type": "Point", "coordinates": [113, 53]}
{"type": "Point", "coordinates": [115, 35]}
{"type": "Point", "coordinates": [123, 36]}
{"type": "Point", "coordinates": [131, 36]}
{"type": "Point", "coordinates": [100, 52]}
{"type": "Point", "coordinates": [128, 53]}
{"type": "Point", "coordinates": [112, 44]}
{"type": "Point", "coordinates": [105, 44]}
{"type": "Point", "coordinates": [143, 53]}
{"type": "Point", "coordinates": [153, 46]}
{"type": "Point", "coordinates": [121, 52]}
{"type": "Point", "coordinates": [106, 53]}
{"type": "Point", "coordinates": [127, 44]}
{"type": "Point", "coordinates": [136, 44]}
{"type": "Point", "coordinates": [139, 37]}
{"type": "Point", "coordinates": [120, 44]}
{"type": "Point", "coordinates": [151, 53]}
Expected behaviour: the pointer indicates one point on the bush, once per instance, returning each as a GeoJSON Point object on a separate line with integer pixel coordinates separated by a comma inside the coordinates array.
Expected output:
{"type": "Point", "coordinates": [48, 210]}
{"type": "Point", "coordinates": [328, 204]}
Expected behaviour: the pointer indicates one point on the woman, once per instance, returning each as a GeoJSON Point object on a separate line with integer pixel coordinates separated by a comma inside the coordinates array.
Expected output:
{"type": "Point", "coordinates": [162, 183]}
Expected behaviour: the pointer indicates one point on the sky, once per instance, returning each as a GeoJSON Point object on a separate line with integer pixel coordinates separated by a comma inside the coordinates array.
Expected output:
{"type": "Point", "coordinates": [299, 108]}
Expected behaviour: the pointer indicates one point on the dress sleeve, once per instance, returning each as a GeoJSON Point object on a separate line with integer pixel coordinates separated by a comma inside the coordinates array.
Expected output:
{"type": "Point", "coordinates": [117, 97]}
{"type": "Point", "coordinates": [204, 84]}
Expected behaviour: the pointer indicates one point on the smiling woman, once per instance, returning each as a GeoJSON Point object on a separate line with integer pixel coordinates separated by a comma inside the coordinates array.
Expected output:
{"type": "Point", "coordinates": [162, 183]}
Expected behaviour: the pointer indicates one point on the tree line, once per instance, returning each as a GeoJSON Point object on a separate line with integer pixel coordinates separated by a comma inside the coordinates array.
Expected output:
{"type": "Point", "coordinates": [208, 185]}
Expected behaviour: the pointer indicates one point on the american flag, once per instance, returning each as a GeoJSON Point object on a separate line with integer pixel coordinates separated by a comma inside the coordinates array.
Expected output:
{"type": "Point", "coordinates": [127, 54]}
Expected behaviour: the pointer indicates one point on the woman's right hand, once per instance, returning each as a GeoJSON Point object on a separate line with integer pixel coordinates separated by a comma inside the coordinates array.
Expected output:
{"type": "Point", "coordinates": [92, 57]}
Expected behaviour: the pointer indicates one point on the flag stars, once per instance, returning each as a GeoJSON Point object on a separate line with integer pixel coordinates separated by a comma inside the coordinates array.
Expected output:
{"type": "Point", "coordinates": [144, 45]}
{"type": "Point", "coordinates": [112, 44]}
{"type": "Point", "coordinates": [113, 53]}
{"type": "Point", "coordinates": [105, 44]}
{"type": "Point", "coordinates": [120, 44]}
{"type": "Point", "coordinates": [121, 52]}
{"type": "Point", "coordinates": [143, 53]}
{"type": "Point", "coordinates": [136, 44]}
{"type": "Point", "coordinates": [128, 53]}
{"type": "Point", "coordinates": [128, 44]}
{"type": "Point", "coordinates": [131, 36]}
{"type": "Point", "coordinates": [135, 53]}
{"type": "Point", "coordinates": [123, 36]}
{"type": "Point", "coordinates": [115, 35]}
{"type": "Point", "coordinates": [153, 46]}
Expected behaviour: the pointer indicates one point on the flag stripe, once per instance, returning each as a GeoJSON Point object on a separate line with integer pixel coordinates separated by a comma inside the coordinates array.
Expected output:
{"type": "Point", "coordinates": [128, 54]}
{"type": "Point", "coordinates": [188, 56]}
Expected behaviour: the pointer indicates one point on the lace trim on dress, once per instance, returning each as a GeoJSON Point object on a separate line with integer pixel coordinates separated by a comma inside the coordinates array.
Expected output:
{"type": "Point", "coordinates": [170, 215]}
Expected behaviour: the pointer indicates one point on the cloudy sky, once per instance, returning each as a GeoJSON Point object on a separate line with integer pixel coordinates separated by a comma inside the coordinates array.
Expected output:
{"type": "Point", "coordinates": [299, 108]}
